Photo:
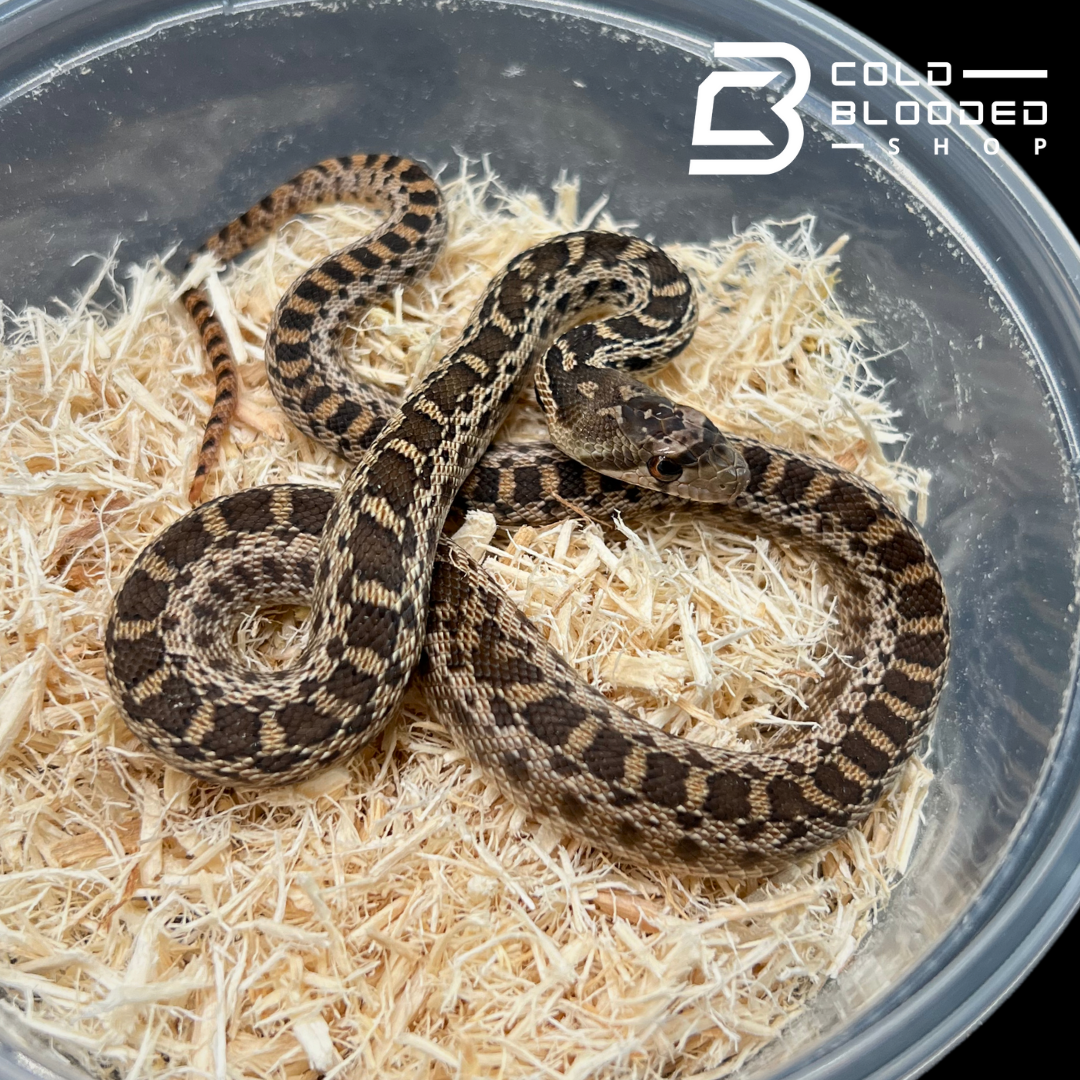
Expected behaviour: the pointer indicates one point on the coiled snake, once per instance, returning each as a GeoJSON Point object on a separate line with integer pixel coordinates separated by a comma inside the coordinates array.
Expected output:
{"type": "Point", "coordinates": [386, 587]}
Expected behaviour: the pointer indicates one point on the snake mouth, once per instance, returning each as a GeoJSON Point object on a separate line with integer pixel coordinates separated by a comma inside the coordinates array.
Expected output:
{"type": "Point", "coordinates": [719, 474]}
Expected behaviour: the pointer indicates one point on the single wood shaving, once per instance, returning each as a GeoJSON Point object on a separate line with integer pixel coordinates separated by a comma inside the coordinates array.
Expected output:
{"type": "Point", "coordinates": [397, 916]}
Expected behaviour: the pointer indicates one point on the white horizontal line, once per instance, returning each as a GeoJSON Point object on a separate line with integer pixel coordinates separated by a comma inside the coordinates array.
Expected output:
{"type": "Point", "coordinates": [1005, 73]}
{"type": "Point", "coordinates": [847, 145]}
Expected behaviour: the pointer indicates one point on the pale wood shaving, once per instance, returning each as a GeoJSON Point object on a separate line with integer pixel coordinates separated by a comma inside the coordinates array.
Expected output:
{"type": "Point", "coordinates": [397, 916]}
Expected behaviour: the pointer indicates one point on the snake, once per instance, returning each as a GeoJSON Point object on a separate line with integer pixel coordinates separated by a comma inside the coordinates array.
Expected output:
{"type": "Point", "coordinates": [392, 597]}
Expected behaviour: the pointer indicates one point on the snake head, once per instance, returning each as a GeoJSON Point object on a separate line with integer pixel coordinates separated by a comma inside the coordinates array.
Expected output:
{"type": "Point", "coordinates": [655, 443]}
{"type": "Point", "coordinates": [681, 451]}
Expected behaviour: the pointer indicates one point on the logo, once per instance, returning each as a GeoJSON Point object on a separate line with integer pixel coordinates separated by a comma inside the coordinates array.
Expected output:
{"type": "Point", "coordinates": [706, 135]}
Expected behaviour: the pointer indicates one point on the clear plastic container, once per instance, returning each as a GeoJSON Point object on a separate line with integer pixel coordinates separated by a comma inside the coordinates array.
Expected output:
{"type": "Point", "coordinates": [153, 122]}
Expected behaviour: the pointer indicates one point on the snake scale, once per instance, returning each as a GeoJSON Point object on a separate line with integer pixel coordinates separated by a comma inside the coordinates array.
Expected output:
{"type": "Point", "coordinates": [389, 594]}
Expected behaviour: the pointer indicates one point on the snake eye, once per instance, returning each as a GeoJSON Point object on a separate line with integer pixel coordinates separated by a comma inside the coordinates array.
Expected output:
{"type": "Point", "coordinates": [664, 469]}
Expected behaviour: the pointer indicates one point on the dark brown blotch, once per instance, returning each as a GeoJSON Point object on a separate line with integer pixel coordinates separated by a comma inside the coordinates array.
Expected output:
{"type": "Point", "coordinates": [304, 569]}
{"type": "Point", "coordinates": [278, 762]}
{"type": "Point", "coordinates": [787, 801]}
{"type": "Point", "coordinates": [309, 510]}
{"type": "Point", "coordinates": [451, 584]}
{"type": "Point", "coordinates": [564, 765]}
{"type": "Point", "coordinates": [528, 485]}
{"type": "Point", "coordinates": [185, 542]}
{"type": "Point", "coordinates": [310, 290]}
{"type": "Point", "coordinates": [377, 550]}
{"type": "Point", "coordinates": [895, 728]}
{"type": "Point", "coordinates": [582, 342]}
{"type": "Point", "coordinates": [859, 749]}
{"type": "Point", "coordinates": [798, 476]}
{"type": "Point", "coordinates": [849, 505]}
{"type": "Point", "coordinates": [899, 551]}
{"type": "Point", "coordinates": [297, 321]}
{"type": "Point", "coordinates": [632, 329]}
{"type": "Point", "coordinates": [444, 393]}
{"type": "Point", "coordinates": [549, 258]}
{"type": "Point", "coordinates": [395, 243]}
{"type": "Point", "coordinates": [371, 626]}
{"type": "Point", "coordinates": [553, 720]}
{"type": "Point", "coordinates": [688, 849]}
{"type": "Point", "coordinates": [490, 343]}
{"type": "Point", "coordinates": [417, 222]}
{"type": "Point", "coordinates": [606, 755]}
{"type": "Point", "coordinates": [249, 511]}
{"type": "Point", "coordinates": [664, 782]}
{"type": "Point", "coordinates": [142, 597]}
{"type": "Point", "coordinates": [305, 724]}
{"type": "Point", "coordinates": [515, 766]}
{"type": "Point", "coordinates": [913, 692]}
{"type": "Point", "coordinates": [343, 417]}
{"type": "Point", "coordinates": [836, 785]}
{"type": "Point", "coordinates": [727, 796]}
{"type": "Point", "coordinates": [427, 197]}
{"type": "Point", "coordinates": [482, 485]}
{"type": "Point", "coordinates": [693, 756]}
{"type": "Point", "coordinates": [501, 712]}
{"type": "Point", "coordinates": [367, 258]}
{"type": "Point", "coordinates": [414, 174]}
{"type": "Point", "coordinates": [221, 590]}
{"type": "Point", "coordinates": [273, 569]}
{"type": "Point", "coordinates": [234, 733]}
{"type": "Point", "coordinates": [926, 650]}
{"type": "Point", "coordinates": [751, 830]}
{"type": "Point", "coordinates": [857, 547]}
{"type": "Point", "coordinates": [393, 476]}
{"type": "Point", "coordinates": [205, 614]}
{"type": "Point", "coordinates": [608, 247]}
{"type": "Point", "coordinates": [662, 270]}
{"type": "Point", "coordinates": [666, 307]}
{"type": "Point", "coordinates": [171, 708]}
{"type": "Point", "coordinates": [350, 684]}
{"type": "Point", "coordinates": [572, 482]}
{"type": "Point", "coordinates": [512, 297]}
{"type": "Point", "coordinates": [921, 600]}
{"type": "Point", "coordinates": [420, 429]}
{"type": "Point", "coordinates": [758, 460]}
{"type": "Point", "coordinates": [138, 659]}
{"type": "Point", "coordinates": [498, 661]}
{"type": "Point", "coordinates": [573, 808]}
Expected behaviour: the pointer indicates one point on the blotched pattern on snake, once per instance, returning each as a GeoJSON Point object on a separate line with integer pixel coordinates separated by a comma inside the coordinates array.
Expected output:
{"type": "Point", "coordinates": [385, 586]}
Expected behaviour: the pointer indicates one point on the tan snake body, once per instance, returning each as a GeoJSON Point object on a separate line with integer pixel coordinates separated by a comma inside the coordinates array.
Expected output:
{"type": "Point", "coordinates": [380, 576]}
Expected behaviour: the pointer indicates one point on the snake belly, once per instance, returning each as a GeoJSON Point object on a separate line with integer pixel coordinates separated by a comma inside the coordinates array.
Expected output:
{"type": "Point", "coordinates": [381, 579]}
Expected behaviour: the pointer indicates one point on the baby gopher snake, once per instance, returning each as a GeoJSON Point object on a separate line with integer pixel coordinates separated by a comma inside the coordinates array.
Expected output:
{"type": "Point", "coordinates": [385, 586]}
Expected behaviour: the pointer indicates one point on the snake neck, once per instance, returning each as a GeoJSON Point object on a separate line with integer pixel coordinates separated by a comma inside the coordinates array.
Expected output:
{"type": "Point", "coordinates": [394, 504]}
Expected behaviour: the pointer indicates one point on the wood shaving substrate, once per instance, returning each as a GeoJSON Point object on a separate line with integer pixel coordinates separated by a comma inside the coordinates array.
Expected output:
{"type": "Point", "coordinates": [397, 916]}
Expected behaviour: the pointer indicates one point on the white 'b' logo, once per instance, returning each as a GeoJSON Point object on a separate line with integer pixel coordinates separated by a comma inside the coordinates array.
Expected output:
{"type": "Point", "coordinates": [706, 135]}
